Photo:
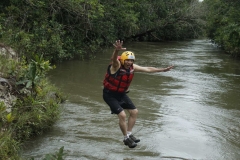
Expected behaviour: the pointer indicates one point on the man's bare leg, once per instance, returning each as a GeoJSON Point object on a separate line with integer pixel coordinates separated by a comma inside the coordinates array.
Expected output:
{"type": "Point", "coordinates": [123, 126]}
{"type": "Point", "coordinates": [132, 119]}
{"type": "Point", "coordinates": [122, 122]}
{"type": "Point", "coordinates": [131, 122]}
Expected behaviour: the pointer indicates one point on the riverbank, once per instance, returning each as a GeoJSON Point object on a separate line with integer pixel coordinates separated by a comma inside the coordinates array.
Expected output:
{"type": "Point", "coordinates": [29, 103]}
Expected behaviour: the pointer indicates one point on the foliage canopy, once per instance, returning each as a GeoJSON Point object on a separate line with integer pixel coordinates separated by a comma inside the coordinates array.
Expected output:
{"type": "Point", "coordinates": [223, 25]}
{"type": "Point", "coordinates": [66, 29]}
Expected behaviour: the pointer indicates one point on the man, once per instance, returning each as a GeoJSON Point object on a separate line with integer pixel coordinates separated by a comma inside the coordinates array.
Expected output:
{"type": "Point", "coordinates": [117, 80]}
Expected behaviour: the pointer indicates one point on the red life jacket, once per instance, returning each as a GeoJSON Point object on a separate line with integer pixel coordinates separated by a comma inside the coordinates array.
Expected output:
{"type": "Point", "coordinates": [120, 81]}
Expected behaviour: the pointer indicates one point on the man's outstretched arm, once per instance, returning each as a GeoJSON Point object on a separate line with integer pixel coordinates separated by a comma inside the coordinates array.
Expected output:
{"type": "Point", "coordinates": [138, 68]}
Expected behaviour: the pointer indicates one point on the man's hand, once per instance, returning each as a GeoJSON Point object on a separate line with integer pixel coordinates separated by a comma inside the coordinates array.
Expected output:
{"type": "Point", "coordinates": [118, 45]}
{"type": "Point", "coordinates": [168, 68]}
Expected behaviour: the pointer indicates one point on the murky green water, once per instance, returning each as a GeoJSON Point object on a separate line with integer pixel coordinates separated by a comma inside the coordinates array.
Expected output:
{"type": "Point", "coordinates": [191, 112]}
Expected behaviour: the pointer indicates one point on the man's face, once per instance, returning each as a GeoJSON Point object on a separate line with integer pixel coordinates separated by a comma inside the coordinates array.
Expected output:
{"type": "Point", "coordinates": [128, 63]}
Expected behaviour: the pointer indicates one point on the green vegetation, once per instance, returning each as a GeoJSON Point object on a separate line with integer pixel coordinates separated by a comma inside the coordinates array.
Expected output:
{"type": "Point", "coordinates": [57, 156]}
{"type": "Point", "coordinates": [67, 29]}
{"type": "Point", "coordinates": [29, 104]}
{"type": "Point", "coordinates": [223, 25]}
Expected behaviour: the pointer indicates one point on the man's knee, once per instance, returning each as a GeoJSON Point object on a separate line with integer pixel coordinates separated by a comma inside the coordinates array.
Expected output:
{"type": "Point", "coordinates": [133, 112]}
{"type": "Point", "coordinates": [122, 115]}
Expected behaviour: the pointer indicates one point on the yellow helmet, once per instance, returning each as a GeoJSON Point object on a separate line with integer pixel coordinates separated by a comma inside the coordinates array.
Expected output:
{"type": "Point", "coordinates": [126, 55]}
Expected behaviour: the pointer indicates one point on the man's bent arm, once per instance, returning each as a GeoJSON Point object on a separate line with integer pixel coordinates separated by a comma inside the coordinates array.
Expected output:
{"type": "Point", "coordinates": [115, 63]}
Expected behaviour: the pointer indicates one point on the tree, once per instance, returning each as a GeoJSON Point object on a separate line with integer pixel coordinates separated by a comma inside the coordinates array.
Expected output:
{"type": "Point", "coordinates": [223, 24]}
{"type": "Point", "coordinates": [66, 29]}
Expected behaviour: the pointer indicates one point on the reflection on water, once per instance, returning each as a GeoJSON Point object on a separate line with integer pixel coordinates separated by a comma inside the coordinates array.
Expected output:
{"type": "Point", "coordinates": [191, 112]}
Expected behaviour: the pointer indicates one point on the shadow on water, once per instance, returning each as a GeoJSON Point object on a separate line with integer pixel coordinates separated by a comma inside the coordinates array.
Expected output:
{"type": "Point", "coordinates": [191, 112]}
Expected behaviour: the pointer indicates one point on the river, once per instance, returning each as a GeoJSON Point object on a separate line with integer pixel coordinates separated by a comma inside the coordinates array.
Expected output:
{"type": "Point", "coordinates": [190, 112]}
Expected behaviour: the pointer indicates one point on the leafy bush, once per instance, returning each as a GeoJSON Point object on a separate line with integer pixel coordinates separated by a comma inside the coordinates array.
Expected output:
{"type": "Point", "coordinates": [35, 108]}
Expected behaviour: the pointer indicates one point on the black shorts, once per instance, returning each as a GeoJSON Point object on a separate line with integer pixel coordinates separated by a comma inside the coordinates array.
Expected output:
{"type": "Point", "coordinates": [117, 101]}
